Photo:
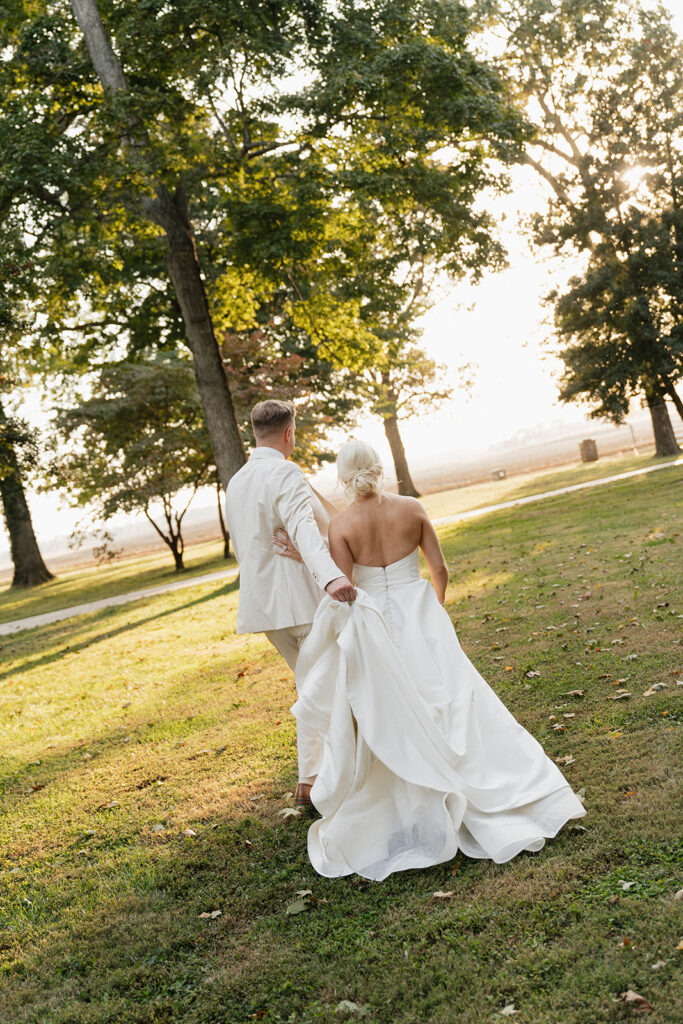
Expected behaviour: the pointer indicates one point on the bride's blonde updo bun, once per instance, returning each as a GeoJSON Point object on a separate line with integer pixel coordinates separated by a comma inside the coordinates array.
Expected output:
{"type": "Point", "coordinates": [360, 470]}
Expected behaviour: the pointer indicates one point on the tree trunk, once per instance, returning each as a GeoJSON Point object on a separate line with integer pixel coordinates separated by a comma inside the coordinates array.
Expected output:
{"type": "Point", "coordinates": [173, 539]}
{"type": "Point", "coordinates": [171, 213]}
{"type": "Point", "coordinates": [675, 397]}
{"type": "Point", "coordinates": [221, 520]}
{"type": "Point", "coordinates": [665, 439]}
{"type": "Point", "coordinates": [177, 558]}
{"type": "Point", "coordinates": [29, 567]}
{"type": "Point", "coordinates": [405, 482]}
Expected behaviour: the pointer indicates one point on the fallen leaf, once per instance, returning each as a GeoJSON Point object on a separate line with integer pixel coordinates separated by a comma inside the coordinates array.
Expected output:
{"type": "Point", "coordinates": [635, 1000]}
{"type": "Point", "coordinates": [211, 913]}
{"type": "Point", "coordinates": [508, 1010]}
{"type": "Point", "coordinates": [289, 812]}
{"type": "Point", "coordinates": [347, 1006]}
{"type": "Point", "coordinates": [531, 674]}
{"type": "Point", "coordinates": [573, 693]}
{"type": "Point", "coordinates": [303, 892]}
{"type": "Point", "coordinates": [567, 759]}
{"type": "Point", "coordinates": [624, 942]}
{"type": "Point", "coordinates": [440, 895]}
{"type": "Point", "coordinates": [626, 885]}
{"type": "Point", "coordinates": [157, 828]}
{"type": "Point", "coordinates": [620, 695]}
{"type": "Point", "coordinates": [658, 965]}
{"type": "Point", "coordinates": [581, 793]}
{"type": "Point", "coordinates": [297, 906]}
{"type": "Point", "coordinates": [569, 714]}
{"type": "Point", "coordinates": [189, 832]}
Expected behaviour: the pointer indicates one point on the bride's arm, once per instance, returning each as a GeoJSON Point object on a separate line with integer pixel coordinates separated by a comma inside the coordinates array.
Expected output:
{"type": "Point", "coordinates": [339, 549]}
{"type": "Point", "coordinates": [431, 549]}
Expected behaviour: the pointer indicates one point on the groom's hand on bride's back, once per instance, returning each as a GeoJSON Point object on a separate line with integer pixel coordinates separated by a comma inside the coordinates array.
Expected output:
{"type": "Point", "coordinates": [341, 589]}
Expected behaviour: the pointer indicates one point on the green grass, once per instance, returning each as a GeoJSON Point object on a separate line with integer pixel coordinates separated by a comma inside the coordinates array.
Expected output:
{"type": "Point", "coordinates": [161, 711]}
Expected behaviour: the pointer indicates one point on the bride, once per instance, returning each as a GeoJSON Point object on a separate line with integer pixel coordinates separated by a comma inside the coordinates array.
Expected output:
{"type": "Point", "coordinates": [420, 757]}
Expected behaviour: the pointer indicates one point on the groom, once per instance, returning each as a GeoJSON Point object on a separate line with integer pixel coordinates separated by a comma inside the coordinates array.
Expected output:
{"type": "Point", "coordinates": [279, 596]}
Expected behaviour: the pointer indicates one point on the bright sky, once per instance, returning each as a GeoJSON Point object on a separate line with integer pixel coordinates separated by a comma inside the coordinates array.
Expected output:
{"type": "Point", "coordinates": [499, 325]}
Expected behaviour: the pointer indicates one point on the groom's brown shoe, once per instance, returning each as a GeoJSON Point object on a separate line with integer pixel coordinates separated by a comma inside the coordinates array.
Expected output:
{"type": "Point", "coordinates": [302, 798]}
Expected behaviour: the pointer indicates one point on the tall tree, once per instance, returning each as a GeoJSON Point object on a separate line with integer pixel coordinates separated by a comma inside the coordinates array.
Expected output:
{"type": "Point", "coordinates": [601, 81]}
{"type": "Point", "coordinates": [18, 449]}
{"type": "Point", "coordinates": [204, 128]}
{"type": "Point", "coordinates": [169, 208]}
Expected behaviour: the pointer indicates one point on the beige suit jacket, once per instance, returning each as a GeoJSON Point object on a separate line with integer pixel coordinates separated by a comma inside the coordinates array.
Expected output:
{"type": "Point", "coordinates": [275, 592]}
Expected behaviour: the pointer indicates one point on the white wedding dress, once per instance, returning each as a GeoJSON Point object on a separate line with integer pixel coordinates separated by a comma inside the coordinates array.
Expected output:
{"type": "Point", "coordinates": [420, 758]}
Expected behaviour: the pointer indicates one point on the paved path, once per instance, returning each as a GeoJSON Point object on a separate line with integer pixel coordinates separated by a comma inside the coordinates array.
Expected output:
{"type": "Point", "coordinates": [193, 581]}
{"type": "Point", "coordinates": [109, 602]}
{"type": "Point", "coordinates": [542, 495]}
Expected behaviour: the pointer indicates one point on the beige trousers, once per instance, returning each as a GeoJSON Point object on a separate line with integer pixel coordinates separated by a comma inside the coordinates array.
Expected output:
{"type": "Point", "coordinates": [287, 642]}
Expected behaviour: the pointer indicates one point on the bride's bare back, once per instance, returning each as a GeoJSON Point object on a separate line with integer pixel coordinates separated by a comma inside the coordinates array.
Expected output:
{"type": "Point", "coordinates": [375, 533]}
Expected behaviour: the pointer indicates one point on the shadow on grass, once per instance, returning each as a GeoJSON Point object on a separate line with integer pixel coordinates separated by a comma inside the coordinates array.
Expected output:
{"type": "Point", "coordinates": [131, 944]}
{"type": "Point", "coordinates": [131, 940]}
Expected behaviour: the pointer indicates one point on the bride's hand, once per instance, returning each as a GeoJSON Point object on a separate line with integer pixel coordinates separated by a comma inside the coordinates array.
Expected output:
{"type": "Point", "coordinates": [284, 546]}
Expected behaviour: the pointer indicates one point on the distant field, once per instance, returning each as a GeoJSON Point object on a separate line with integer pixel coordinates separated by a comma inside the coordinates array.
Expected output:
{"type": "Point", "coordinates": [148, 752]}
{"type": "Point", "coordinates": [461, 499]}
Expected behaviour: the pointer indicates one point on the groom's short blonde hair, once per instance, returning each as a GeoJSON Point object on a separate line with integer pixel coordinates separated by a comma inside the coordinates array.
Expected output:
{"type": "Point", "coordinates": [271, 416]}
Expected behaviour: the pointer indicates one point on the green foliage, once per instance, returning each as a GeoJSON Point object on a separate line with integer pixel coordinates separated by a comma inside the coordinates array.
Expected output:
{"type": "Point", "coordinates": [330, 206]}
{"type": "Point", "coordinates": [601, 79]}
{"type": "Point", "coordinates": [138, 441]}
